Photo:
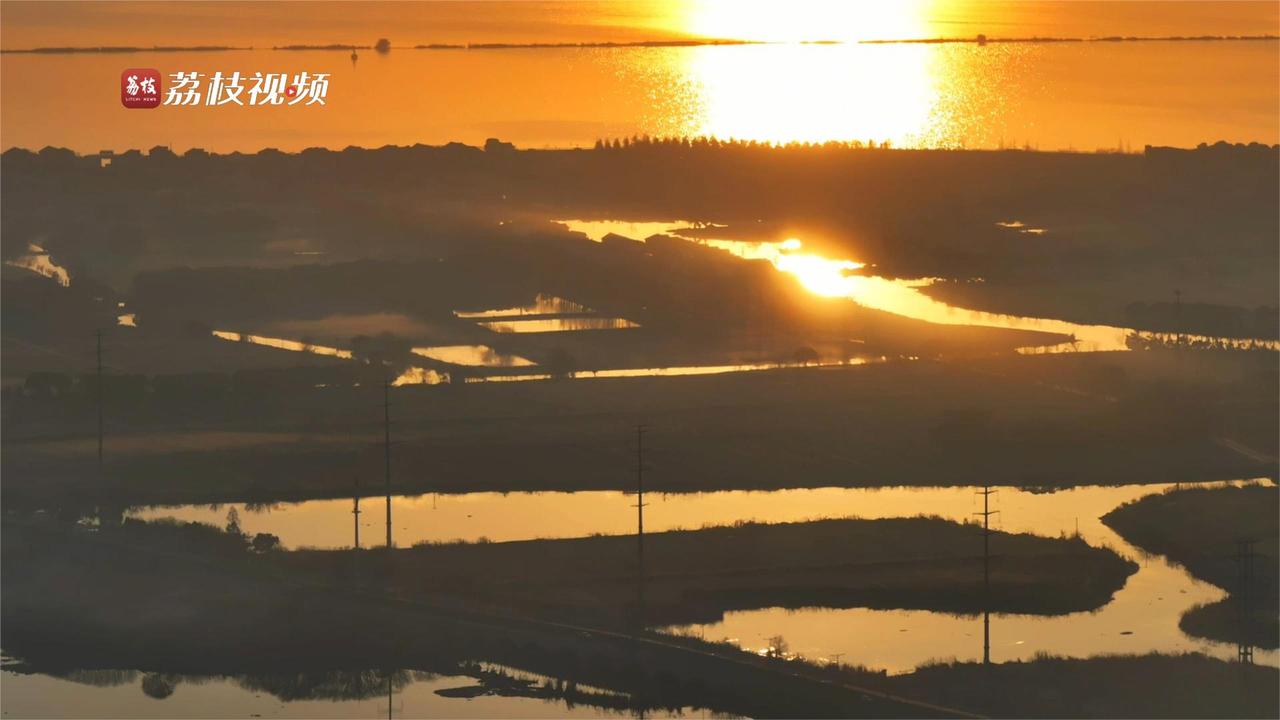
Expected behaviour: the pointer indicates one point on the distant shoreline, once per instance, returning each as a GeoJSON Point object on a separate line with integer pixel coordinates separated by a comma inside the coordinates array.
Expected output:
{"type": "Point", "coordinates": [712, 144]}
{"type": "Point", "coordinates": [976, 40]}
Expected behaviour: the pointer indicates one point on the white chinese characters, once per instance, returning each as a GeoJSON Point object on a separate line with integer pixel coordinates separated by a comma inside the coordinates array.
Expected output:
{"type": "Point", "coordinates": [146, 85]}
{"type": "Point", "coordinates": [259, 89]}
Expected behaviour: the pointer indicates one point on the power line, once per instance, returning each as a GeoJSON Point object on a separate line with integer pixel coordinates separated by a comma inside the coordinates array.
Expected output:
{"type": "Point", "coordinates": [640, 431]}
{"type": "Point", "coordinates": [386, 447]}
{"type": "Point", "coordinates": [98, 336]}
{"type": "Point", "coordinates": [355, 512]}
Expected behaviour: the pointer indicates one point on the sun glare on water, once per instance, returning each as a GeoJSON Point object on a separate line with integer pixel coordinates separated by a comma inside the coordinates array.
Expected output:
{"type": "Point", "coordinates": [791, 91]}
{"type": "Point", "coordinates": [819, 275]}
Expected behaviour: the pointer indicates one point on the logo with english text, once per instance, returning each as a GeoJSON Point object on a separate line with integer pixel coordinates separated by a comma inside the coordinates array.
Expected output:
{"type": "Point", "coordinates": [140, 88]}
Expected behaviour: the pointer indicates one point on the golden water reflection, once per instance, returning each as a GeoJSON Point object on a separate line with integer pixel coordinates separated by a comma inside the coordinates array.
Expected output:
{"type": "Point", "coordinates": [1149, 606]}
{"type": "Point", "coordinates": [558, 324]}
{"type": "Point", "coordinates": [472, 356]}
{"type": "Point", "coordinates": [760, 96]}
{"type": "Point", "coordinates": [38, 261]}
{"type": "Point", "coordinates": [1053, 96]}
{"type": "Point", "coordinates": [542, 304]}
{"type": "Point", "coordinates": [676, 371]}
{"type": "Point", "coordinates": [1142, 617]}
{"type": "Point", "coordinates": [283, 344]}
{"type": "Point", "coordinates": [38, 695]}
{"type": "Point", "coordinates": [838, 278]}
{"type": "Point", "coordinates": [420, 376]}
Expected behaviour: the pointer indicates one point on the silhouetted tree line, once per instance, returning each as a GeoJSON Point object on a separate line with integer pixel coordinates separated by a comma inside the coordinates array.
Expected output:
{"type": "Point", "coordinates": [710, 142]}
{"type": "Point", "coordinates": [1168, 341]}
{"type": "Point", "coordinates": [185, 387]}
{"type": "Point", "coordinates": [1167, 317]}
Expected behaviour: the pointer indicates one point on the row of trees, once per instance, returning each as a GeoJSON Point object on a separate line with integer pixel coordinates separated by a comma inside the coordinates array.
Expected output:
{"type": "Point", "coordinates": [715, 143]}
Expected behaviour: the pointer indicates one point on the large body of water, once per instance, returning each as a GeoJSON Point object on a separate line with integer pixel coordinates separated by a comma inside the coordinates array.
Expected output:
{"type": "Point", "coordinates": [1084, 96]}
{"type": "Point", "coordinates": [1142, 617]}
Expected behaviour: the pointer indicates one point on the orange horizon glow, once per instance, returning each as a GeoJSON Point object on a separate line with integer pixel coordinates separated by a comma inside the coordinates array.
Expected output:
{"type": "Point", "coordinates": [1050, 96]}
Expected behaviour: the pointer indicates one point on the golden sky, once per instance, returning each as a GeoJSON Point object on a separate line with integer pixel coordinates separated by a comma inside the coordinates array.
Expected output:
{"type": "Point", "coordinates": [263, 24]}
{"type": "Point", "coordinates": [1051, 95]}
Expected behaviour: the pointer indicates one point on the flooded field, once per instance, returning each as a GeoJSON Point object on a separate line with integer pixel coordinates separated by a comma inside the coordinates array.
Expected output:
{"type": "Point", "coordinates": [1142, 617]}
{"type": "Point", "coordinates": [558, 324]}
{"type": "Point", "coordinates": [542, 304]}
{"type": "Point", "coordinates": [283, 344]}
{"type": "Point", "coordinates": [472, 356]}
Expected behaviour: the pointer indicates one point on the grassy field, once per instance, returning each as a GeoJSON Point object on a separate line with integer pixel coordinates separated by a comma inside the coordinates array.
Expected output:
{"type": "Point", "coordinates": [1020, 421]}
{"type": "Point", "coordinates": [1163, 686]}
{"type": "Point", "coordinates": [1200, 529]}
{"type": "Point", "coordinates": [695, 576]}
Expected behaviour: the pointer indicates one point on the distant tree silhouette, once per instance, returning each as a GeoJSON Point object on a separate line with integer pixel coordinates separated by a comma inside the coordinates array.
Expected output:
{"type": "Point", "coordinates": [233, 522]}
{"type": "Point", "coordinates": [805, 355]}
{"type": "Point", "coordinates": [265, 542]}
{"type": "Point", "coordinates": [159, 685]}
{"type": "Point", "coordinates": [778, 647]}
{"type": "Point", "coordinates": [383, 46]}
{"type": "Point", "coordinates": [560, 363]}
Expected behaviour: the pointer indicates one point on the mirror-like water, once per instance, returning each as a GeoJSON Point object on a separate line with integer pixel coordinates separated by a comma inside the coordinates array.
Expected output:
{"type": "Point", "coordinates": [1143, 616]}
{"type": "Point", "coordinates": [542, 304]}
{"type": "Point", "coordinates": [283, 344]}
{"type": "Point", "coordinates": [557, 324]}
{"type": "Point", "coordinates": [674, 371]}
{"type": "Point", "coordinates": [128, 693]}
{"type": "Point", "coordinates": [471, 355]}
{"type": "Point", "coordinates": [486, 357]}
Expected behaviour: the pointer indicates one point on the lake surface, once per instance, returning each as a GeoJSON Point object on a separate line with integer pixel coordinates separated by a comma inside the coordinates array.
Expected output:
{"type": "Point", "coordinates": [123, 693]}
{"type": "Point", "coordinates": [1142, 617]}
{"type": "Point", "coordinates": [1084, 96]}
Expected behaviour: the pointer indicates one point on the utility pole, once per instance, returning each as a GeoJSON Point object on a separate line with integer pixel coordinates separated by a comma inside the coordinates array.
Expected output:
{"type": "Point", "coordinates": [355, 512]}
{"type": "Point", "coordinates": [98, 335]}
{"type": "Point", "coordinates": [1244, 569]}
{"type": "Point", "coordinates": [640, 431]}
{"type": "Point", "coordinates": [386, 448]}
{"type": "Point", "coordinates": [986, 514]}
{"type": "Point", "coordinates": [1177, 315]}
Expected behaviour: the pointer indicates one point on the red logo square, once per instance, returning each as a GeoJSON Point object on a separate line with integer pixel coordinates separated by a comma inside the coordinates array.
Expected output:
{"type": "Point", "coordinates": [140, 88]}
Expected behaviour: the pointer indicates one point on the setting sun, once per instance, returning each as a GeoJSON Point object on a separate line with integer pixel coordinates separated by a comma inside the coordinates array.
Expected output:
{"type": "Point", "coordinates": [585, 359]}
{"type": "Point", "coordinates": [807, 20]}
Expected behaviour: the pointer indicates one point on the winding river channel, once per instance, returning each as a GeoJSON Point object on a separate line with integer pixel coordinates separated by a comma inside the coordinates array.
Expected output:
{"type": "Point", "coordinates": [1142, 617]}
{"type": "Point", "coordinates": [839, 277]}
